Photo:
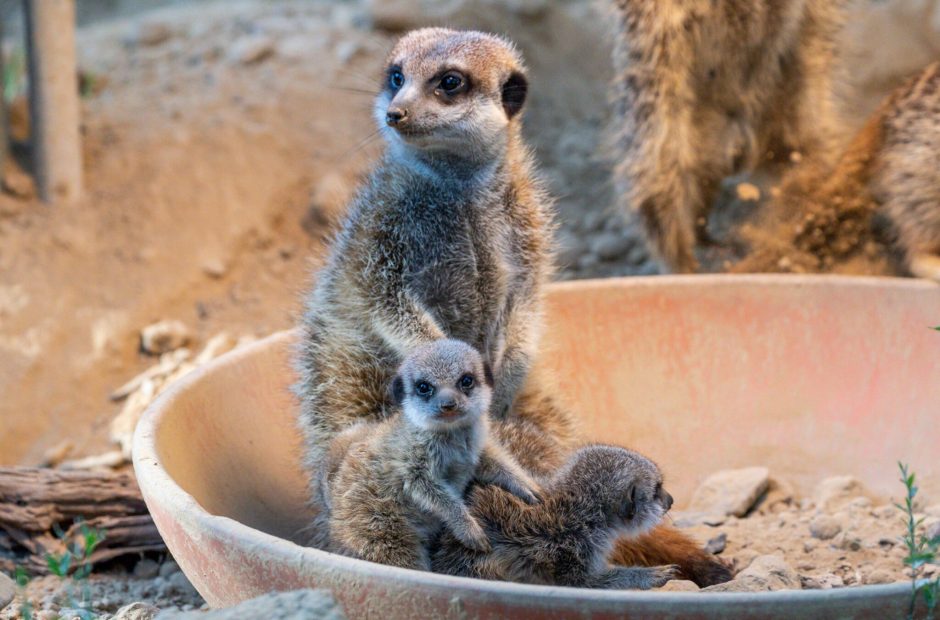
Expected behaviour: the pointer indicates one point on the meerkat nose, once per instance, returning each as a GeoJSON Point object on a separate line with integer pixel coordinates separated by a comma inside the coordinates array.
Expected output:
{"type": "Point", "coordinates": [667, 500]}
{"type": "Point", "coordinates": [395, 115]}
{"type": "Point", "coordinates": [448, 405]}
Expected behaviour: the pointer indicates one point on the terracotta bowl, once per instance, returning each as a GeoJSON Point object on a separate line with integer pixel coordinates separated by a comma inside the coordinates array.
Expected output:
{"type": "Point", "coordinates": [810, 376]}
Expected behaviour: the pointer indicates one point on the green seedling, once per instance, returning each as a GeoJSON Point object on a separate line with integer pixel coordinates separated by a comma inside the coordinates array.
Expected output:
{"type": "Point", "coordinates": [920, 549]}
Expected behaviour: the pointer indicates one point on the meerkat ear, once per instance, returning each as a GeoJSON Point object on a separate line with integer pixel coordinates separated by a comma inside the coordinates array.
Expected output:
{"type": "Point", "coordinates": [488, 374]}
{"type": "Point", "coordinates": [397, 390]}
{"type": "Point", "coordinates": [513, 93]}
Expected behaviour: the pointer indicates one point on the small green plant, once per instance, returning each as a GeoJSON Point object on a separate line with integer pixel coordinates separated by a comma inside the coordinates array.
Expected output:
{"type": "Point", "coordinates": [73, 566]}
{"type": "Point", "coordinates": [920, 549]}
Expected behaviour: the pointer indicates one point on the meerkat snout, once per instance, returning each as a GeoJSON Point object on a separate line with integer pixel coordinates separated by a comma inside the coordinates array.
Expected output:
{"type": "Point", "coordinates": [451, 90]}
{"type": "Point", "coordinates": [443, 384]}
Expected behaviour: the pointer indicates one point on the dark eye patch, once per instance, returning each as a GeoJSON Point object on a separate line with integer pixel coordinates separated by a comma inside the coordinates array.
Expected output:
{"type": "Point", "coordinates": [396, 79]}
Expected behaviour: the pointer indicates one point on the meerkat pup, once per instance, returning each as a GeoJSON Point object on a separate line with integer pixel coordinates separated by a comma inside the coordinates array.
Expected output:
{"type": "Point", "coordinates": [401, 480]}
{"type": "Point", "coordinates": [704, 89]}
{"type": "Point", "coordinates": [448, 238]}
{"type": "Point", "coordinates": [602, 493]}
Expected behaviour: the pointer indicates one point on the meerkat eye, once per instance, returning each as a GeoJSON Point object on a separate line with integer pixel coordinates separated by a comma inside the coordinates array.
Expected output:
{"type": "Point", "coordinates": [452, 83]}
{"type": "Point", "coordinates": [423, 388]}
{"type": "Point", "coordinates": [396, 79]}
{"type": "Point", "coordinates": [466, 382]}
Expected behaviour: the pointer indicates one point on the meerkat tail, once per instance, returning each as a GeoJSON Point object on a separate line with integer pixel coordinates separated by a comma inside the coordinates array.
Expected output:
{"type": "Point", "coordinates": [667, 545]}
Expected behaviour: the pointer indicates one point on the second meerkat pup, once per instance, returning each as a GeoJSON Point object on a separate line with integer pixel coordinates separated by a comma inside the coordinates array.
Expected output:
{"type": "Point", "coordinates": [450, 236]}
{"type": "Point", "coordinates": [703, 89]}
{"type": "Point", "coordinates": [399, 481]}
{"type": "Point", "coordinates": [602, 493]}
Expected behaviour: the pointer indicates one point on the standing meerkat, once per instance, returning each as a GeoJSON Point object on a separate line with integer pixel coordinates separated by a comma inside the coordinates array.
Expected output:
{"type": "Point", "coordinates": [887, 175]}
{"type": "Point", "coordinates": [703, 89]}
{"type": "Point", "coordinates": [450, 236]}
{"type": "Point", "coordinates": [400, 480]}
{"type": "Point", "coordinates": [602, 493]}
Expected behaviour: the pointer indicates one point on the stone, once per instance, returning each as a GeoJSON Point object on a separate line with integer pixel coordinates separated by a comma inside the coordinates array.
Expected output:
{"type": "Point", "coordinates": [251, 49]}
{"type": "Point", "coordinates": [168, 568]}
{"type": "Point", "coordinates": [933, 511]}
{"type": "Point", "coordinates": [146, 569]}
{"type": "Point", "coordinates": [691, 519]}
{"type": "Point", "coordinates": [151, 33]}
{"type": "Point", "coordinates": [7, 590]}
{"type": "Point", "coordinates": [824, 527]}
{"type": "Point", "coordinates": [679, 585]}
{"type": "Point", "coordinates": [611, 246]}
{"type": "Point", "coordinates": [136, 611]}
{"type": "Point", "coordinates": [879, 575]}
{"type": "Point", "coordinates": [214, 267]}
{"type": "Point", "coordinates": [296, 605]}
{"type": "Point", "coordinates": [778, 497]}
{"type": "Point", "coordinates": [826, 581]}
{"type": "Point", "coordinates": [164, 336]}
{"type": "Point", "coordinates": [765, 573]}
{"type": "Point", "coordinates": [748, 192]}
{"type": "Point", "coordinates": [717, 544]}
{"type": "Point", "coordinates": [179, 582]}
{"type": "Point", "coordinates": [730, 491]}
{"type": "Point", "coordinates": [834, 493]}
{"type": "Point", "coordinates": [932, 530]}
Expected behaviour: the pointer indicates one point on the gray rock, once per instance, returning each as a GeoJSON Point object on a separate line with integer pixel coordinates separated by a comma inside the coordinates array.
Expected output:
{"type": "Point", "coordinates": [168, 568]}
{"type": "Point", "coordinates": [180, 583]}
{"type": "Point", "coordinates": [296, 605]}
{"type": "Point", "coordinates": [879, 575]}
{"type": "Point", "coordinates": [251, 49]}
{"type": "Point", "coordinates": [7, 590]}
{"type": "Point", "coordinates": [765, 573]}
{"type": "Point", "coordinates": [136, 611]}
{"type": "Point", "coordinates": [717, 544]}
{"type": "Point", "coordinates": [146, 569]}
{"type": "Point", "coordinates": [932, 530]}
{"type": "Point", "coordinates": [836, 492]}
{"type": "Point", "coordinates": [824, 527]}
{"type": "Point", "coordinates": [611, 245]}
{"type": "Point", "coordinates": [730, 491]}
{"type": "Point", "coordinates": [826, 581]}
{"type": "Point", "coordinates": [151, 33]}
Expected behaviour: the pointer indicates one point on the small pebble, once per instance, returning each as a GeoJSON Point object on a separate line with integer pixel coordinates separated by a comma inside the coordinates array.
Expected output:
{"type": "Point", "coordinates": [824, 527]}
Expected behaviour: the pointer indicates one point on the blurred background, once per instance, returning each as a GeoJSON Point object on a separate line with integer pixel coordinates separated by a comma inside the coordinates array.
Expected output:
{"type": "Point", "coordinates": [219, 144]}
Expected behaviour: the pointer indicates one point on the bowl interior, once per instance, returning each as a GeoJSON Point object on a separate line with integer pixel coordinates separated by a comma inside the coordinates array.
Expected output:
{"type": "Point", "coordinates": [811, 377]}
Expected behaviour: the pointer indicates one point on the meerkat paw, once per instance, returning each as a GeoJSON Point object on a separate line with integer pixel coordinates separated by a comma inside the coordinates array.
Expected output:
{"type": "Point", "coordinates": [472, 536]}
{"type": "Point", "coordinates": [638, 577]}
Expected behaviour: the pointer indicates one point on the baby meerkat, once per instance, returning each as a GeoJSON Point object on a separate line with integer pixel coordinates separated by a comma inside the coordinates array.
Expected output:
{"type": "Point", "coordinates": [602, 493]}
{"type": "Point", "coordinates": [703, 89]}
{"type": "Point", "coordinates": [400, 480]}
{"type": "Point", "coordinates": [450, 236]}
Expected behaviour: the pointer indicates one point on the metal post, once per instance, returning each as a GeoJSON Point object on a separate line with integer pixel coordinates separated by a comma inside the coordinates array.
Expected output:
{"type": "Point", "coordinates": [54, 105]}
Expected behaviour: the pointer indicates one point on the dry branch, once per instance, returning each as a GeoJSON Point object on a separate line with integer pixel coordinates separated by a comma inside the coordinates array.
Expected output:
{"type": "Point", "coordinates": [36, 502]}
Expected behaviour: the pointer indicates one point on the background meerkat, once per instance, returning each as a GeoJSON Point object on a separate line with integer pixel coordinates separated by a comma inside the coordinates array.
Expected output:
{"type": "Point", "coordinates": [449, 237]}
{"type": "Point", "coordinates": [601, 493]}
{"type": "Point", "coordinates": [884, 182]}
{"type": "Point", "coordinates": [401, 479]}
{"type": "Point", "coordinates": [703, 89]}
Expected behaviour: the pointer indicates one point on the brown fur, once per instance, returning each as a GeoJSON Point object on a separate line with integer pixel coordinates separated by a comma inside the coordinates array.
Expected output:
{"type": "Point", "coordinates": [703, 89]}
{"type": "Point", "coordinates": [825, 216]}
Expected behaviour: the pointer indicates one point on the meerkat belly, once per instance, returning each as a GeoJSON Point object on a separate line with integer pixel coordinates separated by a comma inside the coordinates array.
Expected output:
{"type": "Point", "coordinates": [453, 276]}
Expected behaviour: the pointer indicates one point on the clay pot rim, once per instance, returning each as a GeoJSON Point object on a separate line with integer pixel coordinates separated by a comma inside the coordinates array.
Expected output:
{"type": "Point", "coordinates": [159, 487]}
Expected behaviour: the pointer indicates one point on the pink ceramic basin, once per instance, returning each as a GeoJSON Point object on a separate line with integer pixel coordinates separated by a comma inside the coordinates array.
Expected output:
{"type": "Point", "coordinates": [811, 376]}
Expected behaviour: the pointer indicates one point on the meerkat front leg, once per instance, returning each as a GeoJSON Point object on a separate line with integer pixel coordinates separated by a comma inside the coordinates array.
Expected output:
{"type": "Point", "coordinates": [633, 577]}
{"type": "Point", "coordinates": [497, 467]}
{"type": "Point", "coordinates": [442, 502]}
{"type": "Point", "coordinates": [517, 343]}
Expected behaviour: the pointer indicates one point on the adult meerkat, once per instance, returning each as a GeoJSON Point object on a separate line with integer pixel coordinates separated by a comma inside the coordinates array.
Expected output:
{"type": "Point", "coordinates": [400, 480]}
{"type": "Point", "coordinates": [450, 236]}
{"type": "Point", "coordinates": [703, 89]}
{"type": "Point", "coordinates": [885, 176]}
{"type": "Point", "coordinates": [602, 493]}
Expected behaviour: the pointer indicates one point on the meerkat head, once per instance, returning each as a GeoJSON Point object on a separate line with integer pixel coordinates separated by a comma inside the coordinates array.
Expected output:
{"type": "Point", "coordinates": [625, 485]}
{"type": "Point", "coordinates": [451, 92]}
{"type": "Point", "coordinates": [443, 385]}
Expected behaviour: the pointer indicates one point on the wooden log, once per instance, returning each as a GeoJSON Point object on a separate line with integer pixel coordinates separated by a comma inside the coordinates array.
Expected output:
{"type": "Point", "coordinates": [53, 98]}
{"type": "Point", "coordinates": [35, 503]}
